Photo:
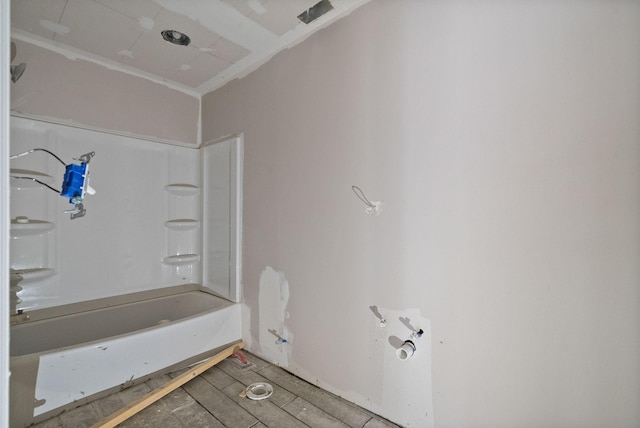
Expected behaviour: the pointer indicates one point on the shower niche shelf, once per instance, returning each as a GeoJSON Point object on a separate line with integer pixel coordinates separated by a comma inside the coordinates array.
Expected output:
{"type": "Point", "coordinates": [182, 224]}
{"type": "Point", "coordinates": [31, 249]}
{"type": "Point", "coordinates": [31, 274]}
{"type": "Point", "coordinates": [181, 229]}
{"type": "Point", "coordinates": [181, 259]}
{"type": "Point", "coordinates": [29, 227]}
{"type": "Point", "coordinates": [182, 189]}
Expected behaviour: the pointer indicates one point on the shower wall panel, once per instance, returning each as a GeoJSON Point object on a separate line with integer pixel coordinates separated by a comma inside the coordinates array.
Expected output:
{"type": "Point", "coordinates": [122, 243]}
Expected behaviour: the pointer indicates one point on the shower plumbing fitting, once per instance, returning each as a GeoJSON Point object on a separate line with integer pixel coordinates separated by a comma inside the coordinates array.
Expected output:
{"type": "Point", "coordinates": [279, 339]}
{"type": "Point", "coordinates": [376, 312]}
{"type": "Point", "coordinates": [408, 348]}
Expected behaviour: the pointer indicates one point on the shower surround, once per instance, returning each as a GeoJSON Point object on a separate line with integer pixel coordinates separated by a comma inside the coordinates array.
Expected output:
{"type": "Point", "coordinates": [125, 279]}
{"type": "Point", "coordinates": [126, 240]}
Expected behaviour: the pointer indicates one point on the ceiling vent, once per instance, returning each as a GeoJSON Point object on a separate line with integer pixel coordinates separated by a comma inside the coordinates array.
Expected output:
{"type": "Point", "coordinates": [315, 11]}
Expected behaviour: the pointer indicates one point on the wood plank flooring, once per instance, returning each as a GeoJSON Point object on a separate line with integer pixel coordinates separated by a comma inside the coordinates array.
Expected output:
{"type": "Point", "coordinates": [213, 400]}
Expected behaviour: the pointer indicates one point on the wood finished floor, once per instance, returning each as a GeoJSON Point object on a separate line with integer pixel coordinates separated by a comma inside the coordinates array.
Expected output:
{"type": "Point", "coordinates": [213, 400]}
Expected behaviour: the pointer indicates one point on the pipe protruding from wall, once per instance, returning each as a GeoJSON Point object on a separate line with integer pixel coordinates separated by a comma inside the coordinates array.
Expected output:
{"type": "Point", "coordinates": [279, 339]}
{"type": "Point", "coordinates": [376, 312]}
{"type": "Point", "coordinates": [406, 351]}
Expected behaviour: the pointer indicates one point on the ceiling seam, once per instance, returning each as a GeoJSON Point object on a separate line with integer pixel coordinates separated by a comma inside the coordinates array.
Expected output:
{"type": "Point", "coordinates": [75, 54]}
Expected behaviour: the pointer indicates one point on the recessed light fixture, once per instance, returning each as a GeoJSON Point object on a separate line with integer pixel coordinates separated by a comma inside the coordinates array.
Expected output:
{"type": "Point", "coordinates": [176, 37]}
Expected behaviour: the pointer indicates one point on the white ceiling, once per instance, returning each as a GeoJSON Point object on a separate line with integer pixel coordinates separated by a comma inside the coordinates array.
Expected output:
{"type": "Point", "coordinates": [229, 38]}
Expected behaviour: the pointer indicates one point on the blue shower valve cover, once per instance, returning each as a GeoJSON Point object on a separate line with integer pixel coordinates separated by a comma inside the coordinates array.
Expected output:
{"type": "Point", "coordinates": [73, 183]}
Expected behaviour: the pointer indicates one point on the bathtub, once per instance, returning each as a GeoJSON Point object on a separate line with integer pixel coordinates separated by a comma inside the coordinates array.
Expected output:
{"type": "Point", "coordinates": [69, 355]}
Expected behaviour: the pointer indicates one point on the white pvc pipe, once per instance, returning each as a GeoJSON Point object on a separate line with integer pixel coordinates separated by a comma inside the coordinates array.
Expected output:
{"type": "Point", "coordinates": [406, 351]}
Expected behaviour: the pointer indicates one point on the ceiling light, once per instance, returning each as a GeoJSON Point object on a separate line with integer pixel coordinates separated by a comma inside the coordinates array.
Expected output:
{"type": "Point", "coordinates": [176, 37]}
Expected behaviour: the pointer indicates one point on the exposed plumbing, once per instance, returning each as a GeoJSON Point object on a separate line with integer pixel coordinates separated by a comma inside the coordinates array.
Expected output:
{"type": "Point", "coordinates": [279, 339]}
{"type": "Point", "coordinates": [408, 348]}
{"type": "Point", "coordinates": [376, 312]}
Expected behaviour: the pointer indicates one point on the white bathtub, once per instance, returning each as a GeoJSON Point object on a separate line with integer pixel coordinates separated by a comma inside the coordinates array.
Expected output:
{"type": "Point", "coordinates": [72, 354]}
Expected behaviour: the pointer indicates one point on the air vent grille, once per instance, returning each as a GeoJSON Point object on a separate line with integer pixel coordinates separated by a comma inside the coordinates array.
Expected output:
{"type": "Point", "coordinates": [315, 11]}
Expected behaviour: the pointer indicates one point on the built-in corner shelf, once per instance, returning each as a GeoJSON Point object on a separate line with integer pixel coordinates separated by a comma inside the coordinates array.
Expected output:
{"type": "Point", "coordinates": [33, 273]}
{"type": "Point", "coordinates": [181, 237]}
{"type": "Point", "coordinates": [24, 178]}
{"type": "Point", "coordinates": [22, 226]}
{"type": "Point", "coordinates": [182, 224]}
{"type": "Point", "coordinates": [181, 259]}
{"type": "Point", "coordinates": [181, 189]}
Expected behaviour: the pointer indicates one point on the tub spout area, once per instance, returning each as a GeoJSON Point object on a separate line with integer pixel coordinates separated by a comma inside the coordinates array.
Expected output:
{"type": "Point", "coordinates": [19, 317]}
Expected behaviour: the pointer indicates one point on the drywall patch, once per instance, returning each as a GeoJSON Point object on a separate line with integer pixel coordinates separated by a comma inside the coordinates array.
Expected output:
{"type": "Point", "coordinates": [146, 23]}
{"type": "Point", "coordinates": [275, 338]}
{"type": "Point", "coordinates": [406, 392]}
